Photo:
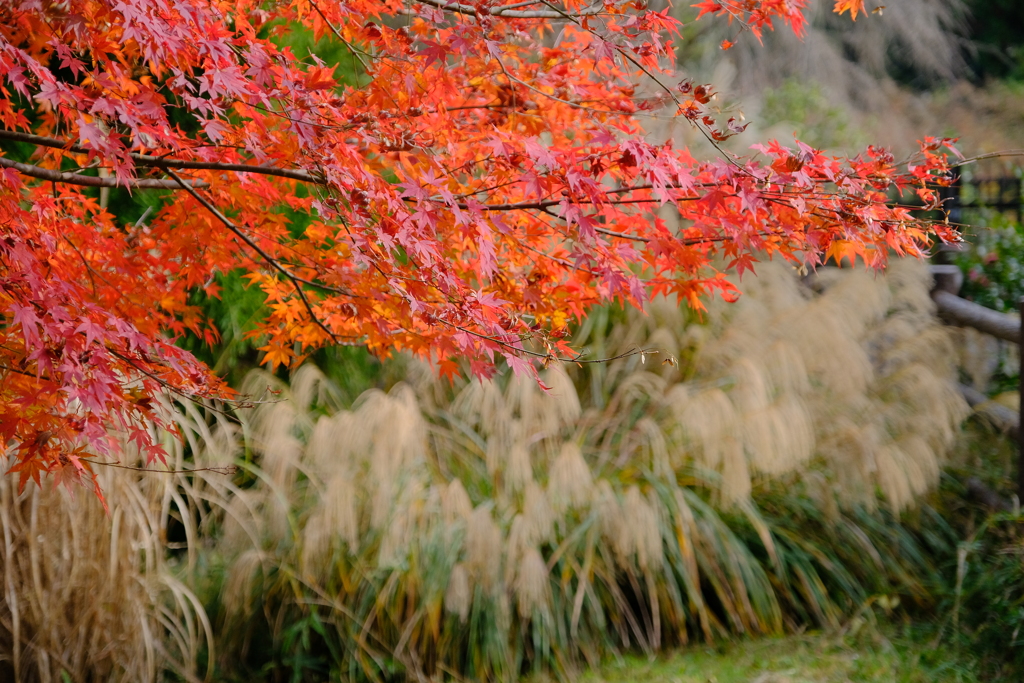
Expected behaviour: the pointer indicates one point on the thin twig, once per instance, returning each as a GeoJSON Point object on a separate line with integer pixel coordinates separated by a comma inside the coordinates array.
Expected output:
{"type": "Point", "coordinates": [294, 279]}
{"type": "Point", "coordinates": [460, 8]}
{"type": "Point", "coordinates": [337, 34]}
{"type": "Point", "coordinates": [225, 469]}
{"type": "Point", "coordinates": [990, 155]}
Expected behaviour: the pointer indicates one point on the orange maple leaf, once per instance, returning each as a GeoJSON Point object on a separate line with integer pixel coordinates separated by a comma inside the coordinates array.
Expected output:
{"type": "Point", "coordinates": [854, 6]}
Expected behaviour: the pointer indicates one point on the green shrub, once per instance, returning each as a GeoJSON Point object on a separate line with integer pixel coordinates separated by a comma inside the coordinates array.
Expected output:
{"type": "Point", "coordinates": [993, 263]}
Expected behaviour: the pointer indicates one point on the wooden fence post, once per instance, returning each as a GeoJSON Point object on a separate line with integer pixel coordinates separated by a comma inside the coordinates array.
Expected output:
{"type": "Point", "coordinates": [1020, 389]}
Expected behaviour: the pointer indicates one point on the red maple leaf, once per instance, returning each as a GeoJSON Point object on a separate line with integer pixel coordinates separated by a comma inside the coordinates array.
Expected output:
{"type": "Point", "coordinates": [468, 194]}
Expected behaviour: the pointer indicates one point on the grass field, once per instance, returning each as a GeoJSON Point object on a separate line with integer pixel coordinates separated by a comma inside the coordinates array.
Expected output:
{"type": "Point", "coordinates": [877, 656]}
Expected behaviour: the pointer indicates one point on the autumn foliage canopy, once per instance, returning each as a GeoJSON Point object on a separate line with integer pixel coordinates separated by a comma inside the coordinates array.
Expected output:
{"type": "Point", "coordinates": [480, 183]}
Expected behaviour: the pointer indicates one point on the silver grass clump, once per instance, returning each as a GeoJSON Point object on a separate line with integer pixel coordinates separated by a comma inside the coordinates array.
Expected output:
{"type": "Point", "coordinates": [94, 596]}
{"type": "Point", "coordinates": [515, 502]}
{"type": "Point", "coordinates": [515, 524]}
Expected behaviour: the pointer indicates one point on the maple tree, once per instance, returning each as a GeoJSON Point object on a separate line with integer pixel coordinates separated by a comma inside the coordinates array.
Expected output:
{"type": "Point", "coordinates": [483, 182]}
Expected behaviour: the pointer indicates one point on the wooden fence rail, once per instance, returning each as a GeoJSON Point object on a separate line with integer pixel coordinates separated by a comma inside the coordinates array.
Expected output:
{"type": "Point", "coordinates": [1002, 418]}
{"type": "Point", "coordinates": [964, 313]}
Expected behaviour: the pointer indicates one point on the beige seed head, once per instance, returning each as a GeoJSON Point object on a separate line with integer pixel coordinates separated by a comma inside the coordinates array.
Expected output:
{"type": "Point", "coordinates": [519, 470]}
{"type": "Point", "coordinates": [455, 503]}
{"type": "Point", "coordinates": [537, 514]}
{"type": "Point", "coordinates": [458, 597]}
{"type": "Point", "coordinates": [531, 586]}
{"type": "Point", "coordinates": [639, 529]}
{"type": "Point", "coordinates": [570, 481]}
{"type": "Point", "coordinates": [332, 524]}
{"type": "Point", "coordinates": [483, 548]}
{"type": "Point", "coordinates": [561, 399]}
{"type": "Point", "coordinates": [893, 478]}
{"type": "Point", "coordinates": [310, 386]}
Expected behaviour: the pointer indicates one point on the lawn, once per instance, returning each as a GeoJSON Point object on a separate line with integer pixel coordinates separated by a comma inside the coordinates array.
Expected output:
{"type": "Point", "coordinates": [877, 656]}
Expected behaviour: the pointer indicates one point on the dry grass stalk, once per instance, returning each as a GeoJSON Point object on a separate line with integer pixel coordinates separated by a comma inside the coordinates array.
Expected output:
{"type": "Point", "coordinates": [89, 596]}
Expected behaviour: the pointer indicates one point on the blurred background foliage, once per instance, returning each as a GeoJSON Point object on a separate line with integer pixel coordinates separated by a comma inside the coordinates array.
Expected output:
{"type": "Point", "coordinates": [993, 262]}
{"type": "Point", "coordinates": [997, 47]}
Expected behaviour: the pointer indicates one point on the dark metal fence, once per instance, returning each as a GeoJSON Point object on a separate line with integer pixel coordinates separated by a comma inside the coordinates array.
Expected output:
{"type": "Point", "coordinates": [1004, 194]}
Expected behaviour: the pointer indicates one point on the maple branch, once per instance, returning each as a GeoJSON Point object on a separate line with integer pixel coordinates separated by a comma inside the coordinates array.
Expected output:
{"type": "Point", "coordinates": [516, 5]}
{"type": "Point", "coordinates": [195, 398]}
{"type": "Point", "coordinates": [990, 155]}
{"type": "Point", "coordinates": [337, 34]}
{"type": "Point", "coordinates": [540, 92]}
{"type": "Point", "coordinates": [685, 241]}
{"type": "Point", "coordinates": [546, 203]}
{"type": "Point", "coordinates": [643, 353]}
{"type": "Point", "coordinates": [509, 13]}
{"type": "Point", "coordinates": [622, 51]}
{"type": "Point", "coordinates": [95, 181]}
{"type": "Point", "coordinates": [295, 280]}
{"type": "Point", "coordinates": [671, 93]}
{"type": "Point", "coordinates": [633, 60]}
{"type": "Point", "coordinates": [155, 162]}
{"type": "Point", "coordinates": [612, 233]}
{"type": "Point", "coordinates": [170, 388]}
{"type": "Point", "coordinates": [32, 375]}
{"type": "Point", "coordinates": [303, 176]}
{"type": "Point", "coordinates": [556, 259]}
{"type": "Point", "coordinates": [165, 164]}
{"type": "Point", "coordinates": [603, 231]}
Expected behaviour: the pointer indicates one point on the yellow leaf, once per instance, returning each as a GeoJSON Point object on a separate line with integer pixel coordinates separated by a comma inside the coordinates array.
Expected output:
{"type": "Point", "coordinates": [841, 249]}
{"type": "Point", "coordinates": [276, 354]}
